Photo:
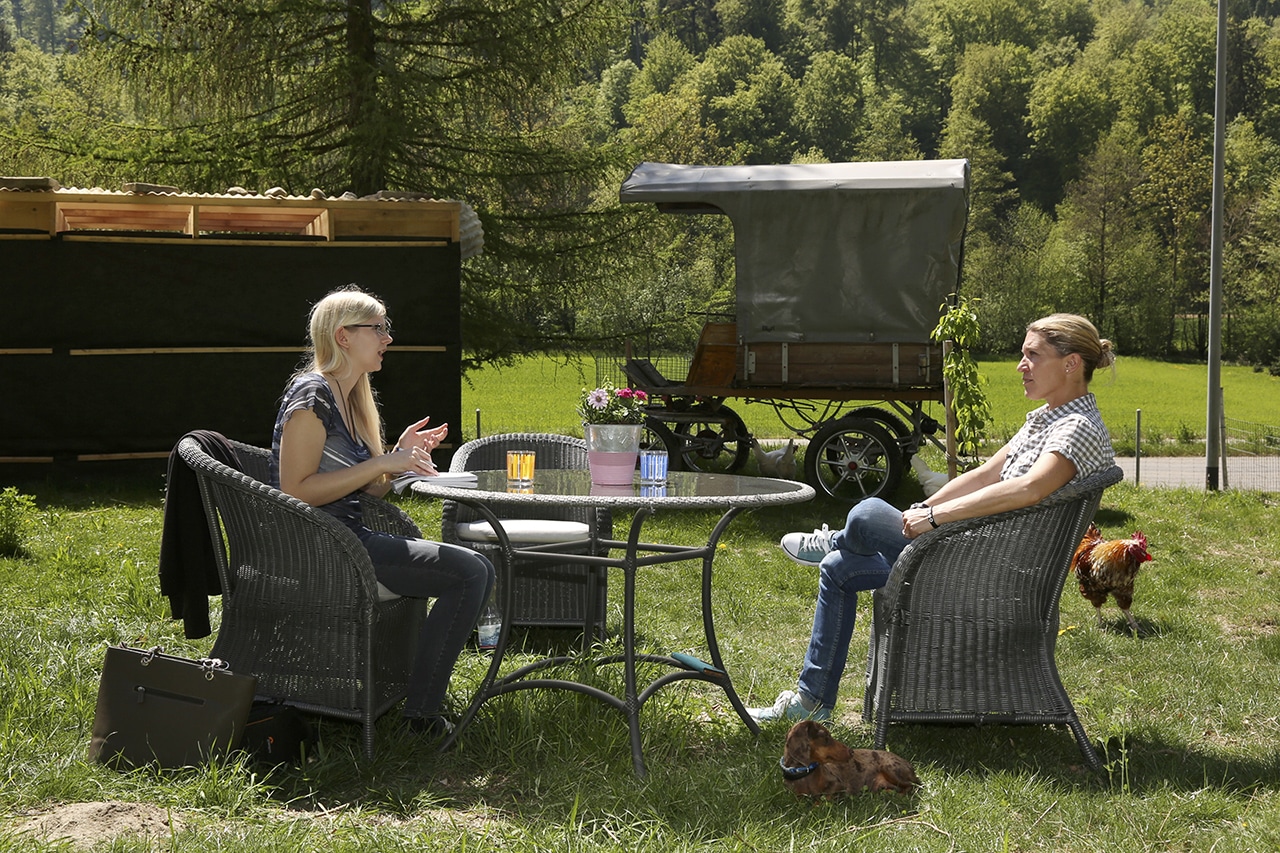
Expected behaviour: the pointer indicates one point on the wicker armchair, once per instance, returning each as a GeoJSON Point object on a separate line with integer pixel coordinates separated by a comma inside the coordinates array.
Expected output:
{"type": "Point", "coordinates": [965, 629]}
{"type": "Point", "coordinates": [301, 609]}
{"type": "Point", "coordinates": [547, 594]}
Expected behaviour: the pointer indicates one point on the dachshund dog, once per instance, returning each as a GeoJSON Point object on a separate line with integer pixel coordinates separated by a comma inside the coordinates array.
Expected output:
{"type": "Point", "coordinates": [814, 764]}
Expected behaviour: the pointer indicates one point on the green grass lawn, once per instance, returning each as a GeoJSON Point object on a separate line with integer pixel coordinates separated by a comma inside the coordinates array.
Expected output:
{"type": "Point", "coordinates": [1186, 712]}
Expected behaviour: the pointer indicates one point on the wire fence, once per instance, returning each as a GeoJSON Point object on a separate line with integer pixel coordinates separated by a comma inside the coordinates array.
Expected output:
{"type": "Point", "coordinates": [671, 365]}
{"type": "Point", "coordinates": [1251, 455]}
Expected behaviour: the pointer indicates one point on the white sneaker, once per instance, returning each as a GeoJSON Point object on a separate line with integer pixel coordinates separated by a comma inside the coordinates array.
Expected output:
{"type": "Point", "coordinates": [808, 549]}
{"type": "Point", "coordinates": [789, 706]}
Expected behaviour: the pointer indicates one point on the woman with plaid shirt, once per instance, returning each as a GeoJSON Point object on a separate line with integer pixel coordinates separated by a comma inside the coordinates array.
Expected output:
{"type": "Point", "coordinates": [1063, 440]}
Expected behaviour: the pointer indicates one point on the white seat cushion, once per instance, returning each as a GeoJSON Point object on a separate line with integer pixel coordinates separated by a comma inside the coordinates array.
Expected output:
{"type": "Point", "coordinates": [531, 530]}
{"type": "Point", "coordinates": [385, 595]}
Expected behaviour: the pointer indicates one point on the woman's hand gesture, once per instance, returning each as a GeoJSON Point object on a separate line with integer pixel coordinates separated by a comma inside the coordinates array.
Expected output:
{"type": "Point", "coordinates": [417, 436]}
{"type": "Point", "coordinates": [413, 449]}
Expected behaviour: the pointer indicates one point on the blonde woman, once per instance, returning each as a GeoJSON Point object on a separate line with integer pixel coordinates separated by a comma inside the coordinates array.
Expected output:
{"type": "Point", "coordinates": [1063, 440]}
{"type": "Point", "coordinates": [327, 446]}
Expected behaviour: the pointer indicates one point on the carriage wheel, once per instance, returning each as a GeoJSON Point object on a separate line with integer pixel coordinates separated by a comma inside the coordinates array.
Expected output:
{"type": "Point", "coordinates": [894, 425]}
{"type": "Point", "coordinates": [853, 459]}
{"type": "Point", "coordinates": [718, 445]}
{"type": "Point", "coordinates": [655, 436]}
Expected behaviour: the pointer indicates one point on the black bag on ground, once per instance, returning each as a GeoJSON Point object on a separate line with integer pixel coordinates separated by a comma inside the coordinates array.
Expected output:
{"type": "Point", "coordinates": [276, 733]}
{"type": "Point", "coordinates": [168, 711]}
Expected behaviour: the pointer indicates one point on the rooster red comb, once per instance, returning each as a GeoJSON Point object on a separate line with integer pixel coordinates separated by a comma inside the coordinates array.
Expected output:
{"type": "Point", "coordinates": [1140, 541]}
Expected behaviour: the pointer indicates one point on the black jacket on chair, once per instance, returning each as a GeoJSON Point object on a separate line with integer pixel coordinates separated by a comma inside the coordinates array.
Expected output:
{"type": "Point", "coordinates": [188, 571]}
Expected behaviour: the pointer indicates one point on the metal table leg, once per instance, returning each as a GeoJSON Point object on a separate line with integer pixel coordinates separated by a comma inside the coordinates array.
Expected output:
{"type": "Point", "coordinates": [633, 699]}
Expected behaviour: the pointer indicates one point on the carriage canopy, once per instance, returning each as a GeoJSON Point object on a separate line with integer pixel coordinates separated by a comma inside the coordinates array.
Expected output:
{"type": "Point", "coordinates": [829, 252]}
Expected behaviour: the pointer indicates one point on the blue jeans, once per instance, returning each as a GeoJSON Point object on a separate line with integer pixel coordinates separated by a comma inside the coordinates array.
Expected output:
{"type": "Point", "coordinates": [459, 580]}
{"type": "Point", "coordinates": [865, 551]}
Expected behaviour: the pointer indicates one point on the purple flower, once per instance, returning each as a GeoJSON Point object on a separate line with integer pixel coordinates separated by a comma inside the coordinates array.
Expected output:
{"type": "Point", "coordinates": [598, 399]}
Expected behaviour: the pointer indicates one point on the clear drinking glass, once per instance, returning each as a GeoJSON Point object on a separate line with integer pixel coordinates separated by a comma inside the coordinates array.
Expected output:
{"type": "Point", "coordinates": [653, 467]}
{"type": "Point", "coordinates": [520, 464]}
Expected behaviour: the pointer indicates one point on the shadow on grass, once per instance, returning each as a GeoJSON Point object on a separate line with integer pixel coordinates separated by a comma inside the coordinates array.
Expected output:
{"type": "Point", "coordinates": [536, 758]}
{"type": "Point", "coordinates": [707, 777]}
{"type": "Point", "coordinates": [1148, 629]}
{"type": "Point", "coordinates": [1145, 764]}
{"type": "Point", "coordinates": [1107, 517]}
{"type": "Point", "coordinates": [1136, 764]}
{"type": "Point", "coordinates": [544, 761]}
{"type": "Point", "coordinates": [74, 486]}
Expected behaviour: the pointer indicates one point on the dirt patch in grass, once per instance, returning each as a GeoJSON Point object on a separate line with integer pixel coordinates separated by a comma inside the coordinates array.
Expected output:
{"type": "Point", "coordinates": [1266, 627]}
{"type": "Point", "coordinates": [88, 824]}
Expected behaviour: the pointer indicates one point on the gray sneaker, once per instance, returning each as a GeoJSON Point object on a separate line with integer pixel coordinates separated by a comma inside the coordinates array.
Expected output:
{"type": "Point", "coordinates": [808, 549]}
{"type": "Point", "coordinates": [789, 706]}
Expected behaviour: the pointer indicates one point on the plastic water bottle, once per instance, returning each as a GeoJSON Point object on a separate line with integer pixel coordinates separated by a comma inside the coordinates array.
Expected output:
{"type": "Point", "coordinates": [489, 626]}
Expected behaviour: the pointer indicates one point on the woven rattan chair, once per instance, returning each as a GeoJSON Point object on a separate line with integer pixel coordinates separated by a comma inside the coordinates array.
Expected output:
{"type": "Point", "coordinates": [965, 629]}
{"type": "Point", "coordinates": [543, 594]}
{"type": "Point", "coordinates": [301, 609]}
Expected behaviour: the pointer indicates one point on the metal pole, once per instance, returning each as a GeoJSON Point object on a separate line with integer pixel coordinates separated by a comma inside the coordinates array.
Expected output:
{"type": "Point", "coordinates": [478, 423]}
{"type": "Point", "coordinates": [1212, 414]}
{"type": "Point", "coordinates": [1222, 439]}
{"type": "Point", "coordinates": [1137, 449]}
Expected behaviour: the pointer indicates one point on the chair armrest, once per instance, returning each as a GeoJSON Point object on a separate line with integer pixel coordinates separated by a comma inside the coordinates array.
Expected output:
{"type": "Point", "coordinates": [275, 525]}
{"type": "Point", "coordinates": [386, 517]}
{"type": "Point", "coordinates": [975, 542]}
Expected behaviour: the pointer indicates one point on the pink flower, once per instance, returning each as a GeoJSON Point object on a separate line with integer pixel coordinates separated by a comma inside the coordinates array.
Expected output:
{"type": "Point", "coordinates": [610, 405]}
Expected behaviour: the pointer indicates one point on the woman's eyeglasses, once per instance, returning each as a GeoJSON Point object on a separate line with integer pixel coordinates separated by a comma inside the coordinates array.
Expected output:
{"type": "Point", "coordinates": [378, 328]}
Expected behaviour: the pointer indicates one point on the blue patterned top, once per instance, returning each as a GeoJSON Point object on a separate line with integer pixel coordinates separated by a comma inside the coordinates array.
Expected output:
{"type": "Point", "coordinates": [341, 449]}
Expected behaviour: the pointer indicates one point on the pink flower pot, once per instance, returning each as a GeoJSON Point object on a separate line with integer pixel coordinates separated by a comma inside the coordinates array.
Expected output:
{"type": "Point", "coordinates": [612, 452]}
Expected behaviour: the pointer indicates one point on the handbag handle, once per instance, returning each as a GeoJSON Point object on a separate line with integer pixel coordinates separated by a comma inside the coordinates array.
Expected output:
{"type": "Point", "coordinates": [208, 666]}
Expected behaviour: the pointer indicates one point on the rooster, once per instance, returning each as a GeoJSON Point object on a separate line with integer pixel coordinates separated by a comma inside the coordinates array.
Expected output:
{"type": "Point", "coordinates": [1109, 567]}
{"type": "Point", "coordinates": [779, 463]}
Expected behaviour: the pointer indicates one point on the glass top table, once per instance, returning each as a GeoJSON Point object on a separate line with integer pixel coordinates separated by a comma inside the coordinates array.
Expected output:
{"type": "Point", "coordinates": [684, 490]}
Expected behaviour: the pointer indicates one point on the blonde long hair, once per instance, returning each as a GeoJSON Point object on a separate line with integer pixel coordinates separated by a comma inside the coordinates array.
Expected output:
{"type": "Point", "coordinates": [346, 306]}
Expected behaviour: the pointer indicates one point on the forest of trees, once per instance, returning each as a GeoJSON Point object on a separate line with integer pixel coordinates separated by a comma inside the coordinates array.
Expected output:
{"type": "Point", "coordinates": [1088, 125]}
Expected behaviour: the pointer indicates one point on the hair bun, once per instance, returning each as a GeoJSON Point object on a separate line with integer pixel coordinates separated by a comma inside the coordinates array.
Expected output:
{"type": "Point", "coordinates": [1108, 356]}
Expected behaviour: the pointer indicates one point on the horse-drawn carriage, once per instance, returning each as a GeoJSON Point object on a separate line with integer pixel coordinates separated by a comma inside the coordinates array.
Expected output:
{"type": "Point", "coordinates": [842, 272]}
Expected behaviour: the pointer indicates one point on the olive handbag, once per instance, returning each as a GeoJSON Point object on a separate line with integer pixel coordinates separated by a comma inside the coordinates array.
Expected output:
{"type": "Point", "coordinates": [167, 711]}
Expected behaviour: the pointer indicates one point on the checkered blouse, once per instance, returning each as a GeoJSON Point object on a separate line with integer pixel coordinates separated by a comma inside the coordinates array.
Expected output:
{"type": "Point", "coordinates": [1074, 429]}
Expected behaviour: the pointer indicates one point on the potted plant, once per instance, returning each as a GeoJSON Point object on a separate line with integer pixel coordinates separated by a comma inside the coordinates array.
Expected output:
{"type": "Point", "coordinates": [612, 419]}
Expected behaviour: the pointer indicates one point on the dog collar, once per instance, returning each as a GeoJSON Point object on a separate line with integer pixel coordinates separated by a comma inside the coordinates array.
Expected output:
{"type": "Point", "coordinates": [793, 773]}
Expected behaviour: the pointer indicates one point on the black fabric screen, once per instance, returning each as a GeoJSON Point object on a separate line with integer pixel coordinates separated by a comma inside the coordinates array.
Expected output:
{"type": "Point", "coordinates": [242, 301]}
